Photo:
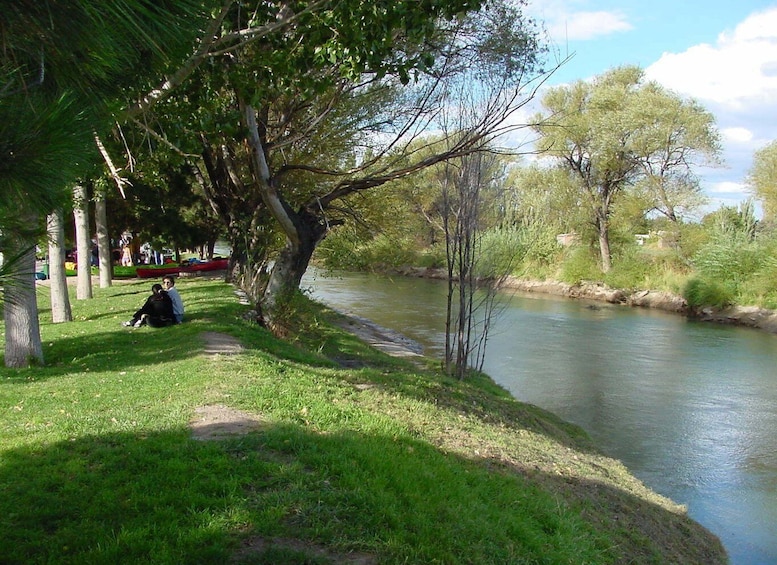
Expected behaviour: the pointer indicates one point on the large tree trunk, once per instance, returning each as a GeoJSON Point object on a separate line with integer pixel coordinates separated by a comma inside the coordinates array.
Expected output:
{"type": "Point", "coordinates": [303, 229]}
{"type": "Point", "coordinates": [103, 241]}
{"type": "Point", "coordinates": [22, 333]}
{"type": "Point", "coordinates": [291, 265]}
{"type": "Point", "coordinates": [60, 301]}
{"type": "Point", "coordinates": [83, 248]}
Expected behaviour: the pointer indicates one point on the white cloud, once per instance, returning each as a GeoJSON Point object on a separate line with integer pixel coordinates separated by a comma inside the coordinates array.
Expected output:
{"type": "Point", "coordinates": [737, 134]}
{"type": "Point", "coordinates": [586, 25]}
{"type": "Point", "coordinates": [736, 79]}
{"type": "Point", "coordinates": [739, 70]}
{"type": "Point", "coordinates": [567, 20]}
{"type": "Point", "coordinates": [727, 187]}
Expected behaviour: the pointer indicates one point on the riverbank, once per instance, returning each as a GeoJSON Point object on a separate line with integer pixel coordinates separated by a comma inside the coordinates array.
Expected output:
{"type": "Point", "coordinates": [335, 453]}
{"type": "Point", "coordinates": [745, 316]}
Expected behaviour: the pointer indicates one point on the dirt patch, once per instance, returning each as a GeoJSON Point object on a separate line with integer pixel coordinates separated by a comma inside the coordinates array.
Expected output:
{"type": "Point", "coordinates": [388, 341]}
{"type": "Point", "coordinates": [217, 422]}
{"type": "Point", "coordinates": [220, 344]}
{"type": "Point", "coordinates": [258, 545]}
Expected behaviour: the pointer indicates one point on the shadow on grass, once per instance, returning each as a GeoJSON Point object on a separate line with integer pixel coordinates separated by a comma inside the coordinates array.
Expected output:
{"type": "Point", "coordinates": [108, 346]}
{"type": "Point", "coordinates": [162, 497]}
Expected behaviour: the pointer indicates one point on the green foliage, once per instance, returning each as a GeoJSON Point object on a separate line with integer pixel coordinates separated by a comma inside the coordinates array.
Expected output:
{"type": "Point", "coordinates": [631, 269]}
{"type": "Point", "coordinates": [734, 254]}
{"type": "Point", "coordinates": [762, 179]}
{"type": "Point", "coordinates": [517, 250]}
{"type": "Point", "coordinates": [342, 251]}
{"type": "Point", "coordinates": [699, 293]}
{"type": "Point", "coordinates": [728, 260]}
{"type": "Point", "coordinates": [761, 287]}
{"type": "Point", "coordinates": [580, 263]}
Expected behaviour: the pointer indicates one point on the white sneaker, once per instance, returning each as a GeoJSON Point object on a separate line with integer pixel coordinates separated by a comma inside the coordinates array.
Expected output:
{"type": "Point", "coordinates": [126, 324]}
{"type": "Point", "coordinates": [138, 323]}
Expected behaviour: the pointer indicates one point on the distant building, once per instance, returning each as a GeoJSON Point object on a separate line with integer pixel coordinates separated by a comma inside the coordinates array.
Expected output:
{"type": "Point", "coordinates": [567, 239]}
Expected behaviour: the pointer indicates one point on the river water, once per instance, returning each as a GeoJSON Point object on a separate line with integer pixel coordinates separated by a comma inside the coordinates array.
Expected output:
{"type": "Point", "coordinates": [690, 408]}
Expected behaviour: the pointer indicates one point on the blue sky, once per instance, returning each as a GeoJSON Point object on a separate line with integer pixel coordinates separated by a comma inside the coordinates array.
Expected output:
{"type": "Point", "coordinates": [722, 53]}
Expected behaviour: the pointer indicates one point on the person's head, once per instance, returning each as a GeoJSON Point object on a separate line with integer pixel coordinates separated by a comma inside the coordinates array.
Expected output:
{"type": "Point", "coordinates": [156, 289]}
{"type": "Point", "coordinates": [168, 282]}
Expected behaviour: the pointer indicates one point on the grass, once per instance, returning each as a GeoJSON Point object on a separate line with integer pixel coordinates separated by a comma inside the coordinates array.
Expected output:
{"type": "Point", "coordinates": [359, 458]}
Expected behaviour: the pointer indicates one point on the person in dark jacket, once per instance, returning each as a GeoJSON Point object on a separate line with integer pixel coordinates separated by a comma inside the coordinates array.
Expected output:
{"type": "Point", "coordinates": [157, 312]}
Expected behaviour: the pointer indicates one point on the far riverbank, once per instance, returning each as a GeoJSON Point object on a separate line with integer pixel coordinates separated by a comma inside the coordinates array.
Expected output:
{"type": "Point", "coordinates": [745, 316]}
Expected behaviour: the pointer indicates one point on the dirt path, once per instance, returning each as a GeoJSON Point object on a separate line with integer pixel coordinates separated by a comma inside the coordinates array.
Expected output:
{"type": "Point", "coordinates": [388, 341]}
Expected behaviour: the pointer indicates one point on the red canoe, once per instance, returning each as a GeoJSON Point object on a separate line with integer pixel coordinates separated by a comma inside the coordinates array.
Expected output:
{"type": "Point", "coordinates": [214, 265]}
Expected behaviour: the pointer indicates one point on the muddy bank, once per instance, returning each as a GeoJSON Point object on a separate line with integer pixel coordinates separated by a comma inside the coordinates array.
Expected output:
{"type": "Point", "coordinates": [747, 316]}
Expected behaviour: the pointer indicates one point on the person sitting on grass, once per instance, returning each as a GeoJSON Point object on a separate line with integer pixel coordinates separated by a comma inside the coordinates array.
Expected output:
{"type": "Point", "coordinates": [169, 283]}
{"type": "Point", "coordinates": [157, 312]}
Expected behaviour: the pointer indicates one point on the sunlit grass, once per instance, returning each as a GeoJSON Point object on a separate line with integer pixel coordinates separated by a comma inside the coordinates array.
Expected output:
{"type": "Point", "coordinates": [356, 452]}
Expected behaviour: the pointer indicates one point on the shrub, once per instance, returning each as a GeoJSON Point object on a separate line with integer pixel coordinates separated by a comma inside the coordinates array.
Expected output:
{"type": "Point", "coordinates": [700, 293]}
{"type": "Point", "coordinates": [580, 263]}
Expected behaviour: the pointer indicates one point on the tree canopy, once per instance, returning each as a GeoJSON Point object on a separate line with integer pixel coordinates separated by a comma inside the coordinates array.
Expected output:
{"type": "Point", "coordinates": [621, 133]}
{"type": "Point", "coordinates": [64, 67]}
{"type": "Point", "coordinates": [282, 129]}
{"type": "Point", "coordinates": [762, 178]}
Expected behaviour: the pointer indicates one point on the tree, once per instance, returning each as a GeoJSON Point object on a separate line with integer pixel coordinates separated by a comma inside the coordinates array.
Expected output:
{"type": "Point", "coordinates": [60, 300]}
{"type": "Point", "coordinates": [675, 136]}
{"type": "Point", "coordinates": [83, 243]}
{"type": "Point", "coordinates": [471, 286]}
{"type": "Point", "coordinates": [304, 103]}
{"type": "Point", "coordinates": [762, 179]}
{"type": "Point", "coordinates": [619, 131]}
{"type": "Point", "coordinates": [57, 81]}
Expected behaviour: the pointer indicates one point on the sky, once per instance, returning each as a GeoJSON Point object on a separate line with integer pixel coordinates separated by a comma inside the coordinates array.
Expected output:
{"type": "Point", "coordinates": [723, 53]}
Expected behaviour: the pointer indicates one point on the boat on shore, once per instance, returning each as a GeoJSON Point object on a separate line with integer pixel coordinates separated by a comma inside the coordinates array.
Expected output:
{"type": "Point", "coordinates": [218, 264]}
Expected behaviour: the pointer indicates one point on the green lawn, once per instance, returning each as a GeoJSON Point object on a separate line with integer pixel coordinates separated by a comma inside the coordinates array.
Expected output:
{"type": "Point", "coordinates": [359, 458]}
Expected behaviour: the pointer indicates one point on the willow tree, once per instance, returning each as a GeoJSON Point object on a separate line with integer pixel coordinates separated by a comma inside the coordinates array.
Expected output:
{"type": "Point", "coordinates": [619, 132]}
{"type": "Point", "coordinates": [292, 126]}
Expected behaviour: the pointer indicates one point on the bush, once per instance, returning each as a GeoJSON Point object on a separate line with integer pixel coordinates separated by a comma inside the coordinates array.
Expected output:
{"type": "Point", "coordinates": [638, 267]}
{"type": "Point", "coordinates": [700, 293]}
{"type": "Point", "coordinates": [761, 288]}
{"type": "Point", "coordinates": [580, 263]}
{"type": "Point", "coordinates": [342, 251]}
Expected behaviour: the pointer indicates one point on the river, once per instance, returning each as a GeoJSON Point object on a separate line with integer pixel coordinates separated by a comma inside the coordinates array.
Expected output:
{"type": "Point", "coordinates": [689, 407]}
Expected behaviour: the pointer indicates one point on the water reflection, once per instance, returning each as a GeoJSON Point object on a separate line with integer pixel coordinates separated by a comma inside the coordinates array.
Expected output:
{"type": "Point", "coordinates": [690, 408]}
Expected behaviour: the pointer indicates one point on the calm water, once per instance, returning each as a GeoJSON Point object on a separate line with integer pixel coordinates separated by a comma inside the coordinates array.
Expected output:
{"type": "Point", "coordinates": [690, 408]}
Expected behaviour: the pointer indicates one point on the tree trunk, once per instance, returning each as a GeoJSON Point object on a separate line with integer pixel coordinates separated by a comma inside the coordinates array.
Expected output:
{"type": "Point", "coordinates": [105, 257]}
{"type": "Point", "coordinates": [291, 264]}
{"type": "Point", "coordinates": [603, 228]}
{"type": "Point", "coordinates": [22, 333]}
{"type": "Point", "coordinates": [304, 230]}
{"type": "Point", "coordinates": [60, 301]}
{"type": "Point", "coordinates": [83, 249]}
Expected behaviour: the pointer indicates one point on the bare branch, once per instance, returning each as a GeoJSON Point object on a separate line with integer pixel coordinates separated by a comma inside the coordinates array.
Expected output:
{"type": "Point", "coordinates": [120, 181]}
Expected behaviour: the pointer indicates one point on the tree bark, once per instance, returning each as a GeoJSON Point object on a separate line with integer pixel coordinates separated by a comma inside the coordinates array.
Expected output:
{"type": "Point", "coordinates": [23, 345]}
{"type": "Point", "coordinates": [303, 230]}
{"type": "Point", "coordinates": [603, 228]}
{"type": "Point", "coordinates": [60, 301]}
{"type": "Point", "coordinates": [292, 262]}
{"type": "Point", "coordinates": [83, 251]}
{"type": "Point", "coordinates": [103, 241]}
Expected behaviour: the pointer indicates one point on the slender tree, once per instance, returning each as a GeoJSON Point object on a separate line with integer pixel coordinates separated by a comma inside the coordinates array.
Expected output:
{"type": "Point", "coordinates": [83, 243]}
{"type": "Point", "coordinates": [60, 299]}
